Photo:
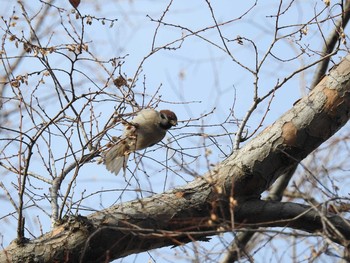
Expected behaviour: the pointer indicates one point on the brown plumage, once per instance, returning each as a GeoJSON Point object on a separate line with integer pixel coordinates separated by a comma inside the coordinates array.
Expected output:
{"type": "Point", "coordinates": [146, 129]}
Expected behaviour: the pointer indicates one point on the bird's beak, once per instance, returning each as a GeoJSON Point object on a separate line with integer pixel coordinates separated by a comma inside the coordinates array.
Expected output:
{"type": "Point", "coordinates": [173, 122]}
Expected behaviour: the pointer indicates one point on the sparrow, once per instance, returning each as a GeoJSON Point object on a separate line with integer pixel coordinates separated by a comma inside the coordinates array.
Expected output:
{"type": "Point", "coordinates": [146, 129]}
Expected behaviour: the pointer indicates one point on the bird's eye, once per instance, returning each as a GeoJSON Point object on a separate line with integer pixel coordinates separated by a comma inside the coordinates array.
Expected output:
{"type": "Point", "coordinates": [162, 116]}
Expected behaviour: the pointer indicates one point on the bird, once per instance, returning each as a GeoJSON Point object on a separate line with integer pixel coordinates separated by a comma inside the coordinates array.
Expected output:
{"type": "Point", "coordinates": [145, 130]}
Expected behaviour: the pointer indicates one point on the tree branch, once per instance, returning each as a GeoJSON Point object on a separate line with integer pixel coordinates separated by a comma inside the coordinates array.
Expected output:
{"type": "Point", "coordinates": [278, 188]}
{"type": "Point", "coordinates": [224, 197]}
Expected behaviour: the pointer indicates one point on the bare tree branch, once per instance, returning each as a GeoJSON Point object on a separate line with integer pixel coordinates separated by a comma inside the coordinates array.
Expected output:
{"type": "Point", "coordinates": [280, 185]}
{"type": "Point", "coordinates": [222, 200]}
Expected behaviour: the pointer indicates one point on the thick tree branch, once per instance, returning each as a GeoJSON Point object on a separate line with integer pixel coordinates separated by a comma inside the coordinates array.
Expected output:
{"type": "Point", "coordinates": [133, 227]}
{"type": "Point", "coordinates": [278, 188]}
{"type": "Point", "coordinates": [209, 203]}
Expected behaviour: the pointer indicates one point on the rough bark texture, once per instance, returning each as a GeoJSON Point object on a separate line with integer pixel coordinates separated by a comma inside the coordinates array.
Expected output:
{"type": "Point", "coordinates": [229, 193]}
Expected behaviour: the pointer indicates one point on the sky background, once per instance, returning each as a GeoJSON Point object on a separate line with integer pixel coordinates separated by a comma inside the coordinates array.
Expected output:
{"type": "Point", "coordinates": [209, 89]}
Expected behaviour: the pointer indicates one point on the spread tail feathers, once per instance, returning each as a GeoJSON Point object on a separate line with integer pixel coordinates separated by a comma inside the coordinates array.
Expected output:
{"type": "Point", "coordinates": [114, 160]}
{"type": "Point", "coordinates": [116, 164]}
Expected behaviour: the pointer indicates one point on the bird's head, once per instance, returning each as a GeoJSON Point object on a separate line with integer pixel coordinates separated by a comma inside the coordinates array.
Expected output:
{"type": "Point", "coordinates": [168, 119]}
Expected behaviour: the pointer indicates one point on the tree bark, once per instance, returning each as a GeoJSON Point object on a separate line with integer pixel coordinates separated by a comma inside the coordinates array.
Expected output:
{"type": "Point", "coordinates": [224, 199]}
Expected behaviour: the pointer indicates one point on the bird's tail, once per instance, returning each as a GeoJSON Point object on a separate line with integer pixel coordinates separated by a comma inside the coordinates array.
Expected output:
{"type": "Point", "coordinates": [115, 161]}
